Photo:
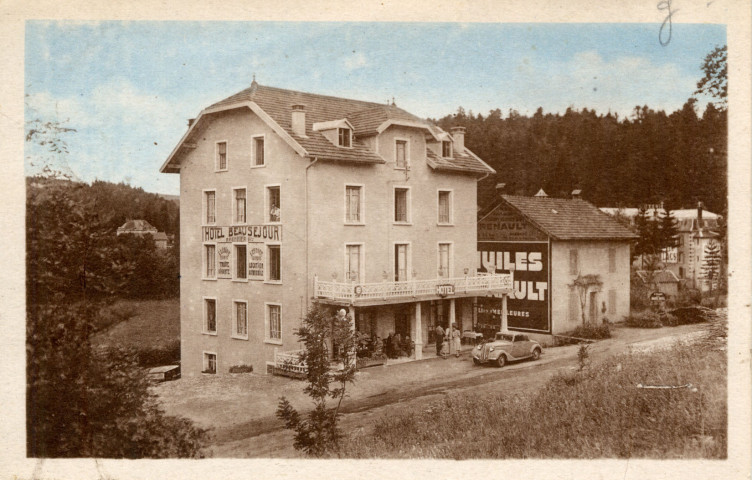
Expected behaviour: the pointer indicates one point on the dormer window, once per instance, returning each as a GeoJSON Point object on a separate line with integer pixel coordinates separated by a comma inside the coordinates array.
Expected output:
{"type": "Point", "coordinates": [345, 137]}
{"type": "Point", "coordinates": [446, 149]}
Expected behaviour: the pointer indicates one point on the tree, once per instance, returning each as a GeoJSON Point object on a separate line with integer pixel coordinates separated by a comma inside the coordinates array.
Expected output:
{"type": "Point", "coordinates": [711, 264]}
{"type": "Point", "coordinates": [582, 285]}
{"type": "Point", "coordinates": [715, 81]}
{"type": "Point", "coordinates": [86, 402]}
{"type": "Point", "coordinates": [319, 433]}
{"type": "Point", "coordinates": [667, 230]}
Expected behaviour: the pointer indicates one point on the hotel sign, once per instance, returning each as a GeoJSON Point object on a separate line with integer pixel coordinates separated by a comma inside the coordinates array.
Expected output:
{"type": "Point", "coordinates": [242, 233]}
{"type": "Point", "coordinates": [444, 290]}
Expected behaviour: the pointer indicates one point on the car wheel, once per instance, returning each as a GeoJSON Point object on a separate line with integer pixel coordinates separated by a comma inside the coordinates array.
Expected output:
{"type": "Point", "coordinates": [476, 361]}
{"type": "Point", "coordinates": [536, 354]}
{"type": "Point", "coordinates": [501, 361]}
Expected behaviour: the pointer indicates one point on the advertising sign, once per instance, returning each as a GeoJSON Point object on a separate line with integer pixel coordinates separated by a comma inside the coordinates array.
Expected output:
{"type": "Point", "coordinates": [528, 308]}
{"type": "Point", "coordinates": [242, 233]}
{"type": "Point", "coordinates": [670, 255]}
{"type": "Point", "coordinates": [504, 224]}
{"type": "Point", "coordinates": [223, 267]}
{"type": "Point", "coordinates": [256, 261]}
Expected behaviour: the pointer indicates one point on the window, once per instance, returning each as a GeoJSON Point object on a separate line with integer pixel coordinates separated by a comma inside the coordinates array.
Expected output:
{"type": "Point", "coordinates": [221, 155]}
{"type": "Point", "coordinates": [445, 207]}
{"type": "Point", "coordinates": [400, 262]}
{"type": "Point", "coordinates": [345, 137]}
{"type": "Point", "coordinates": [274, 263]}
{"type": "Point", "coordinates": [611, 260]}
{"type": "Point", "coordinates": [274, 321]}
{"type": "Point", "coordinates": [612, 302]}
{"type": "Point", "coordinates": [353, 263]}
{"type": "Point", "coordinates": [444, 259]}
{"type": "Point", "coordinates": [240, 204]}
{"type": "Point", "coordinates": [353, 204]}
{"type": "Point", "coordinates": [210, 315]}
{"type": "Point", "coordinates": [210, 206]}
{"type": "Point", "coordinates": [241, 262]}
{"type": "Point", "coordinates": [681, 272]}
{"type": "Point", "coordinates": [210, 261]}
{"type": "Point", "coordinates": [401, 205]}
{"type": "Point", "coordinates": [210, 362]}
{"type": "Point", "coordinates": [400, 153]}
{"type": "Point", "coordinates": [240, 323]}
{"type": "Point", "coordinates": [574, 306]}
{"type": "Point", "coordinates": [273, 203]}
{"type": "Point", "coordinates": [257, 159]}
{"type": "Point", "coordinates": [574, 266]}
{"type": "Point", "coordinates": [446, 149]}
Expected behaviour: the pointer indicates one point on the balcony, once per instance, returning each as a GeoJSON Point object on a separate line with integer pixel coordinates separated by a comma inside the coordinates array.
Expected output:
{"type": "Point", "coordinates": [365, 294]}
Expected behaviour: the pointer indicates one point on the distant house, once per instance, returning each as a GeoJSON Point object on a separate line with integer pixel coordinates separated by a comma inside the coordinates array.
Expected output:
{"type": "Point", "coordinates": [141, 228]}
{"type": "Point", "coordinates": [696, 228]}
{"type": "Point", "coordinates": [661, 280]}
{"type": "Point", "coordinates": [550, 244]}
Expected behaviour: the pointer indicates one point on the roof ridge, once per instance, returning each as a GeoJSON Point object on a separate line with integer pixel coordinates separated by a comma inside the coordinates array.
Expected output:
{"type": "Point", "coordinates": [316, 95]}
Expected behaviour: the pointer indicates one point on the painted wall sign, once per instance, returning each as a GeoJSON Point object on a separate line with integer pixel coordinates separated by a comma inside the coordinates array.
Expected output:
{"type": "Point", "coordinates": [505, 224]}
{"type": "Point", "coordinates": [256, 261]}
{"type": "Point", "coordinates": [670, 255]}
{"type": "Point", "coordinates": [528, 308]}
{"type": "Point", "coordinates": [224, 269]}
{"type": "Point", "coordinates": [242, 233]}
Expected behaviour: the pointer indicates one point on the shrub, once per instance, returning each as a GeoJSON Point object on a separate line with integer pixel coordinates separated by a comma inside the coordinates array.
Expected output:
{"type": "Point", "coordinates": [593, 332]}
{"type": "Point", "coordinates": [669, 320]}
{"type": "Point", "coordinates": [646, 319]}
{"type": "Point", "coordinates": [241, 369]}
{"type": "Point", "coordinates": [691, 315]}
{"type": "Point", "coordinates": [159, 355]}
{"type": "Point", "coordinates": [688, 297]}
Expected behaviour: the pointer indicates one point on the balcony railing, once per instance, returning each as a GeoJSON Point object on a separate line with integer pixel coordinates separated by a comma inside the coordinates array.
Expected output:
{"type": "Point", "coordinates": [363, 292]}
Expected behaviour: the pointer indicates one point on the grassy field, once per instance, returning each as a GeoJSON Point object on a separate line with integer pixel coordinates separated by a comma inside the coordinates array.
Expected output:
{"type": "Point", "coordinates": [598, 412]}
{"type": "Point", "coordinates": [152, 327]}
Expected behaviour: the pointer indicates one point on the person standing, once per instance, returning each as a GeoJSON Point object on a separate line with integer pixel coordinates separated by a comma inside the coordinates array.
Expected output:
{"type": "Point", "coordinates": [439, 339]}
{"type": "Point", "coordinates": [456, 340]}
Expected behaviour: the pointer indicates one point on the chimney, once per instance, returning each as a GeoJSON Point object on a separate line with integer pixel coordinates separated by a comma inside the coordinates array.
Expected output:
{"type": "Point", "coordinates": [190, 122]}
{"type": "Point", "coordinates": [576, 194]}
{"type": "Point", "coordinates": [458, 135]}
{"type": "Point", "coordinates": [699, 215]}
{"type": "Point", "coordinates": [298, 120]}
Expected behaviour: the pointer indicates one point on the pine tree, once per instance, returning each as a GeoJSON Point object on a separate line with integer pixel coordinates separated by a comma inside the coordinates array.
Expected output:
{"type": "Point", "coordinates": [712, 263]}
{"type": "Point", "coordinates": [667, 231]}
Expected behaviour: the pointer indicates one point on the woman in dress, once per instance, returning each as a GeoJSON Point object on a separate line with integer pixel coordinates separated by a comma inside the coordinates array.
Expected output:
{"type": "Point", "coordinates": [456, 343]}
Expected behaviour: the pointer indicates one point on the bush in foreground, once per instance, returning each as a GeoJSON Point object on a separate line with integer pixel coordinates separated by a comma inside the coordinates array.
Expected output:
{"type": "Point", "coordinates": [646, 319]}
{"type": "Point", "coordinates": [599, 412]}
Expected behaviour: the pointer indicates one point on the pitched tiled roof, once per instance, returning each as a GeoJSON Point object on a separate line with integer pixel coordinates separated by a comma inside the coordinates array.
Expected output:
{"type": "Point", "coordinates": [138, 225]}
{"type": "Point", "coordinates": [460, 162]}
{"type": "Point", "coordinates": [661, 276]}
{"type": "Point", "coordinates": [569, 219]}
{"type": "Point", "coordinates": [366, 118]}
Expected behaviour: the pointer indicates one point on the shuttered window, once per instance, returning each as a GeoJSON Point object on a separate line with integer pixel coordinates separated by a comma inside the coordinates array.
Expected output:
{"type": "Point", "coordinates": [222, 156]}
{"type": "Point", "coordinates": [612, 260]}
{"type": "Point", "coordinates": [400, 153]}
{"type": "Point", "coordinates": [444, 207]}
{"type": "Point", "coordinates": [352, 268]}
{"type": "Point", "coordinates": [400, 205]}
{"type": "Point", "coordinates": [353, 203]}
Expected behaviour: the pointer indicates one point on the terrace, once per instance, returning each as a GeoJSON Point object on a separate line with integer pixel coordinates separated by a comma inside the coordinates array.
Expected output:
{"type": "Point", "coordinates": [366, 294]}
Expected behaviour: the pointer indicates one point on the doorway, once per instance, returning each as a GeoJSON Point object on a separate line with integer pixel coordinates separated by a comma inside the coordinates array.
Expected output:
{"type": "Point", "coordinates": [594, 308]}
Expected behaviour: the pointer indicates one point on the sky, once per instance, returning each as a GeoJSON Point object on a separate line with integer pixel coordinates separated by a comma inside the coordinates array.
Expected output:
{"type": "Point", "coordinates": [128, 88]}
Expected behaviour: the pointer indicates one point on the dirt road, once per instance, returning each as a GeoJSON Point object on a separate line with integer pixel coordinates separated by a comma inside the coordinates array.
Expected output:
{"type": "Point", "coordinates": [381, 391]}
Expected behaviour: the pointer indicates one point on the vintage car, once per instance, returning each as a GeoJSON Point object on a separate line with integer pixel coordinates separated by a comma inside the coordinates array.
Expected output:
{"type": "Point", "coordinates": [506, 347]}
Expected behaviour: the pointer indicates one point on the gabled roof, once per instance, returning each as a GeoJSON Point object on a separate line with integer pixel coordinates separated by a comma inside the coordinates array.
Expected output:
{"type": "Point", "coordinates": [274, 106]}
{"type": "Point", "coordinates": [567, 219]}
{"type": "Point", "coordinates": [137, 226]}
{"type": "Point", "coordinates": [660, 276]}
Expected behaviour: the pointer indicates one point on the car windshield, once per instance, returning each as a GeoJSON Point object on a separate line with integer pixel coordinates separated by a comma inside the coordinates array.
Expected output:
{"type": "Point", "coordinates": [504, 336]}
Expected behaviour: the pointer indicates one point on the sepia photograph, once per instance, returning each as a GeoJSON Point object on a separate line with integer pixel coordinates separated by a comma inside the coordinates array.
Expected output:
{"type": "Point", "coordinates": [448, 241]}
